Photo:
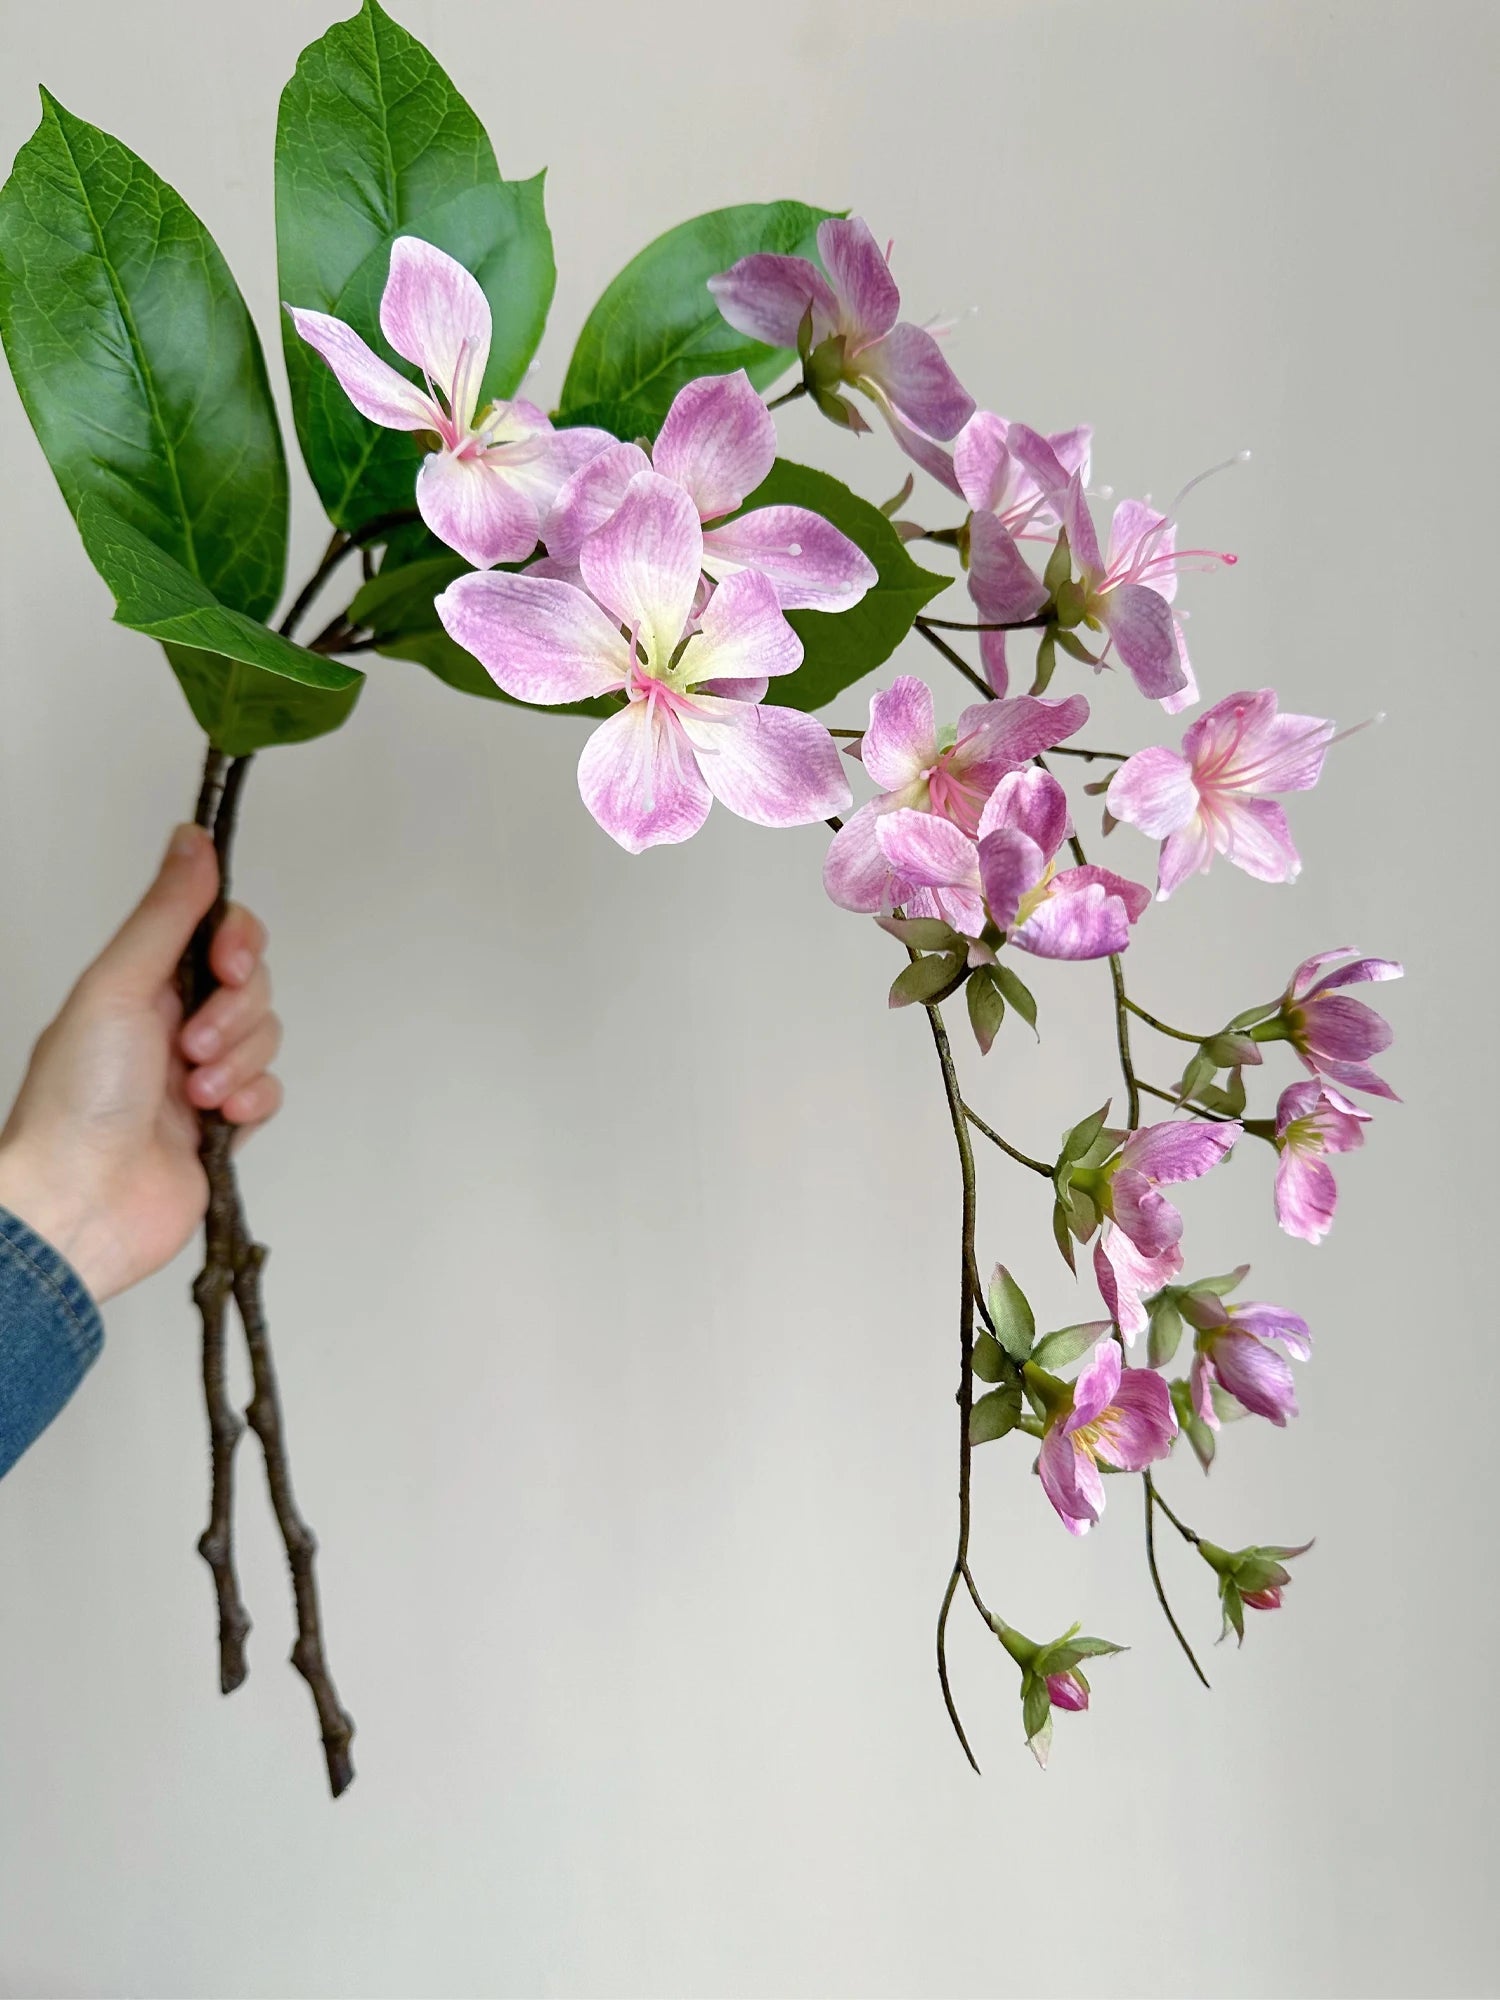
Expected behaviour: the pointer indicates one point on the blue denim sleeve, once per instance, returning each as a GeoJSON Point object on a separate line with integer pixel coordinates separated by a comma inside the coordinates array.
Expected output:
{"type": "Point", "coordinates": [50, 1332]}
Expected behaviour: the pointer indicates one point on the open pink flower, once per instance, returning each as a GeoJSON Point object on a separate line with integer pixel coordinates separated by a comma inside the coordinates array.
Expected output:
{"type": "Point", "coordinates": [719, 442]}
{"type": "Point", "coordinates": [1008, 503]}
{"type": "Point", "coordinates": [1334, 1035]}
{"type": "Point", "coordinates": [900, 367]}
{"type": "Point", "coordinates": [904, 754]}
{"type": "Point", "coordinates": [692, 729]}
{"type": "Point", "coordinates": [1214, 796]}
{"type": "Point", "coordinates": [1150, 1159]}
{"type": "Point", "coordinates": [1233, 1350]}
{"type": "Point", "coordinates": [1008, 874]}
{"type": "Point", "coordinates": [1312, 1119]}
{"type": "Point", "coordinates": [487, 488]}
{"type": "Point", "coordinates": [1121, 1415]}
{"type": "Point", "coordinates": [1127, 1278]}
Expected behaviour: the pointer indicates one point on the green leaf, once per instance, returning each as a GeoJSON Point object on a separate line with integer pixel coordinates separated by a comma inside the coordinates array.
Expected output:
{"type": "Point", "coordinates": [1017, 995]}
{"type": "Point", "coordinates": [1166, 1331]}
{"type": "Point", "coordinates": [1069, 1344]}
{"type": "Point", "coordinates": [921, 933]}
{"type": "Point", "coordinates": [373, 142]}
{"type": "Point", "coordinates": [137, 362]}
{"type": "Point", "coordinates": [841, 647]}
{"type": "Point", "coordinates": [1010, 1309]}
{"type": "Point", "coordinates": [1062, 1236]}
{"type": "Point", "coordinates": [1234, 1610]}
{"type": "Point", "coordinates": [995, 1414]}
{"type": "Point", "coordinates": [656, 325]}
{"type": "Point", "coordinates": [926, 981]}
{"type": "Point", "coordinates": [396, 607]}
{"type": "Point", "coordinates": [1036, 1705]}
{"type": "Point", "coordinates": [986, 1007]}
{"type": "Point", "coordinates": [1079, 1140]}
{"type": "Point", "coordinates": [990, 1363]}
{"type": "Point", "coordinates": [248, 687]}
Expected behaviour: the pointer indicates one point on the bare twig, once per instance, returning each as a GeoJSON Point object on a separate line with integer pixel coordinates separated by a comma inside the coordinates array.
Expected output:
{"type": "Point", "coordinates": [1153, 1501]}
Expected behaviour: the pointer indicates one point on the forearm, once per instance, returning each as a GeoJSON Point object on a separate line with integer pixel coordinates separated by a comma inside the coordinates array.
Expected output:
{"type": "Point", "coordinates": [50, 1334]}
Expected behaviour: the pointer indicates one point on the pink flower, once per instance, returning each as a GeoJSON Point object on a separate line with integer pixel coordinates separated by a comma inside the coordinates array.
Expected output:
{"type": "Point", "coordinates": [1312, 1119]}
{"type": "Point", "coordinates": [1333, 1034]}
{"type": "Point", "coordinates": [691, 730]}
{"type": "Point", "coordinates": [903, 753]}
{"type": "Point", "coordinates": [1126, 1278]}
{"type": "Point", "coordinates": [1213, 797]}
{"type": "Point", "coordinates": [1069, 1691]}
{"type": "Point", "coordinates": [1121, 1415]}
{"type": "Point", "coordinates": [719, 442]}
{"type": "Point", "coordinates": [900, 367]}
{"type": "Point", "coordinates": [1154, 1157]}
{"type": "Point", "coordinates": [487, 488]}
{"type": "Point", "coordinates": [1007, 501]}
{"type": "Point", "coordinates": [1008, 874]}
{"type": "Point", "coordinates": [1233, 1350]}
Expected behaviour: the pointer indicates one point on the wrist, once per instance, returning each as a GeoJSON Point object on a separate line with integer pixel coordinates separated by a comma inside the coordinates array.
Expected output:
{"type": "Point", "coordinates": [58, 1212]}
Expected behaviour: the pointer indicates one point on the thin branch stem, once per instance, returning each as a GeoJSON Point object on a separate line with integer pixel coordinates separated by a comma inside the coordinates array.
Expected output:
{"type": "Point", "coordinates": [340, 545]}
{"type": "Point", "coordinates": [1153, 1501]}
{"type": "Point", "coordinates": [789, 396]}
{"type": "Point", "coordinates": [1188, 1534]}
{"type": "Point", "coordinates": [967, 625]}
{"type": "Point", "coordinates": [1176, 1099]}
{"type": "Point", "coordinates": [1021, 1159]}
{"type": "Point", "coordinates": [954, 659]}
{"type": "Point", "coordinates": [1122, 1039]}
{"type": "Point", "coordinates": [1177, 1034]}
{"type": "Point", "coordinates": [1076, 750]}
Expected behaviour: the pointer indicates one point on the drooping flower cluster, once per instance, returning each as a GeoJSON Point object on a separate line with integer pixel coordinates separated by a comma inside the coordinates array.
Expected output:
{"type": "Point", "coordinates": [637, 575]}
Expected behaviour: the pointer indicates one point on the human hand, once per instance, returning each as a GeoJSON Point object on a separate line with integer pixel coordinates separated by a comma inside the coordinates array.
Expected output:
{"type": "Point", "coordinates": [100, 1152]}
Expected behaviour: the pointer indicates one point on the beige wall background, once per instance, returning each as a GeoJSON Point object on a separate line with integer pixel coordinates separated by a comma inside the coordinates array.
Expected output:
{"type": "Point", "coordinates": [613, 1214]}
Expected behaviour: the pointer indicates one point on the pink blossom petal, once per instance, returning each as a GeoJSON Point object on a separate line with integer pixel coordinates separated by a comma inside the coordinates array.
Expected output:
{"type": "Point", "coordinates": [1345, 1029]}
{"type": "Point", "coordinates": [1186, 852]}
{"type": "Point", "coordinates": [935, 459]}
{"type": "Point", "coordinates": [1140, 1424]}
{"type": "Point", "coordinates": [435, 313]}
{"type": "Point", "coordinates": [1144, 1213]}
{"type": "Point", "coordinates": [372, 385]}
{"type": "Point", "coordinates": [1032, 802]}
{"type": "Point", "coordinates": [1275, 1323]}
{"type": "Point", "coordinates": [1079, 522]}
{"type": "Point", "coordinates": [1358, 973]}
{"type": "Point", "coordinates": [589, 496]}
{"type": "Point", "coordinates": [1255, 1375]}
{"type": "Point", "coordinates": [473, 505]}
{"type": "Point", "coordinates": [999, 736]}
{"type": "Point", "coordinates": [1179, 1149]}
{"type": "Point", "coordinates": [813, 566]}
{"type": "Point", "coordinates": [718, 440]}
{"type": "Point", "coordinates": [1134, 895]}
{"type": "Point", "coordinates": [992, 658]}
{"type": "Point", "coordinates": [1075, 922]}
{"type": "Point", "coordinates": [540, 640]}
{"type": "Point", "coordinates": [861, 276]}
{"type": "Point", "coordinates": [909, 368]}
{"type": "Point", "coordinates": [901, 740]}
{"type": "Point", "coordinates": [742, 634]}
{"type": "Point", "coordinates": [1126, 1278]}
{"type": "Point", "coordinates": [927, 849]}
{"type": "Point", "coordinates": [1154, 791]}
{"type": "Point", "coordinates": [1201, 1383]}
{"type": "Point", "coordinates": [1140, 623]}
{"type": "Point", "coordinates": [773, 766]}
{"type": "Point", "coordinates": [1010, 866]}
{"type": "Point", "coordinates": [639, 778]}
{"type": "Point", "coordinates": [1095, 1388]}
{"type": "Point", "coordinates": [1067, 1691]}
{"type": "Point", "coordinates": [1258, 839]}
{"type": "Point", "coordinates": [1064, 1472]}
{"type": "Point", "coordinates": [1043, 466]}
{"type": "Point", "coordinates": [1002, 583]}
{"type": "Point", "coordinates": [1359, 1076]}
{"type": "Point", "coordinates": [644, 563]}
{"type": "Point", "coordinates": [767, 296]}
{"type": "Point", "coordinates": [1306, 1195]}
{"type": "Point", "coordinates": [981, 462]}
{"type": "Point", "coordinates": [856, 873]}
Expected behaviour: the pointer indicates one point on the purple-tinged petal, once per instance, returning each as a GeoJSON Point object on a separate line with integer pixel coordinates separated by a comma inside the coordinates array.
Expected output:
{"type": "Point", "coordinates": [1134, 521]}
{"type": "Point", "coordinates": [935, 459]}
{"type": "Point", "coordinates": [644, 563]}
{"type": "Point", "coordinates": [1144, 1213]}
{"type": "Point", "coordinates": [813, 566]}
{"type": "Point", "coordinates": [718, 440]}
{"type": "Point", "coordinates": [856, 873]}
{"type": "Point", "coordinates": [1067, 1691]}
{"type": "Point", "coordinates": [911, 371]}
{"type": "Point", "coordinates": [639, 778]}
{"type": "Point", "coordinates": [1076, 922]}
{"type": "Point", "coordinates": [772, 766]}
{"type": "Point", "coordinates": [1187, 695]}
{"type": "Point", "coordinates": [1010, 866]}
{"type": "Point", "coordinates": [1134, 895]}
{"type": "Point", "coordinates": [1154, 792]}
{"type": "Point", "coordinates": [927, 849]}
{"type": "Point", "coordinates": [1178, 1149]}
{"type": "Point", "coordinates": [992, 658]}
{"type": "Point", "coordinates": [1004, 587]}
{"type": "Point", "coordinates": [473, 506]}
{"type": "Point", "coordinates": [1083, 540]}
{"type": "Point", "coordinates": [1060, 1464]}
{"type": "Point", "coordinates": [1359, 1076]}
{"type": "Point", "coordinates": [995, 737]}
{"type": "Point", "coordinates": [768, 296]}
{"type": "Point", "coordinates": [1140, 623]}
{"type": "Point", "coordinates": [372, 385]}
{"type": "Point", "coordinates": [1032, 802]}
{"type": "Point", "coordinates": [1201, 1383]}
{"type": "Point", "coordinates": [742, 634]}
{"type": "Point", "coordinates": [1335, 1025]}
{"type": "Point", "coordinates": [1257, 838]}
{"type": "Point", "coordinates": [868, 298]}
{"type": "Point", "coordinates": [1045, 469]}
{"type": "Point", "coordinates": [1126, 1278]}
{"type": "Point", "coordinates": [901, 741]}
{"type": "Point", "coordinates": [1094, 1391]}
{"type": "Point", "coordinates": [1306, 1195]}
{"type": "Point", "coordinates": [435, 314]}
{"type": "Point", "coordinates": [1186, 852]}
{"type": "Point", "coordinates": [1140, 1424]}
{"type": "Point", "coordinates": [588, 498]}
{"type": "Point", "coordinates": [1255, 1375]}
{"type": "Point", "coordinates": [1358, 973]}
{"type": "Point", "coordinates": [981, 462]}
{"type": "Point", "coordinates": [540, 640]}
{"type": "Point", "coordinates": [1275, 1323]}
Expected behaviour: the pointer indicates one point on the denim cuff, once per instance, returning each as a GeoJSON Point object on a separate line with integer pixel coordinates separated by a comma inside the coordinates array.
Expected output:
{"type": "Point", "coordinates": [50, 1334]}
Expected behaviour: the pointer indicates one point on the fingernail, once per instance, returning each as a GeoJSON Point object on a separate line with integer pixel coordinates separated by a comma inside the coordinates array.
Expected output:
{"type": "Point", "coordinates": [209, 1082]}
{"type": "Point", "coordinates": [185, 842]}
{"type": "Point", "coordinates": [201, 1042]}
{"type": "Point", "coordinates": [241, 965]}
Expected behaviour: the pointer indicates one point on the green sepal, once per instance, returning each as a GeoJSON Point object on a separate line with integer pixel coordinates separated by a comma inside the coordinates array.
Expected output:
{"type": "Point", "coordinates": [1059, 568]}
{"type": "Point", "coordinates": [928, 981]}
{"type": "Point", "coordinates": [1010, 1309]}
{"type": "Point", "coordinates": [1166, 1330]}
{"type": "Point", "coordinates": [990, 1361]}
{"type": "Point", "coordinates": [1017, 995]}
{"type": "Point", "coordinates": [1046, 662]}
{"type": "Point", "coordinates": [996, 1413]}
{"type": "Point", "coordinates": [1069, 1344]}
{"type": "Point", "coordinates": [986, 1007]}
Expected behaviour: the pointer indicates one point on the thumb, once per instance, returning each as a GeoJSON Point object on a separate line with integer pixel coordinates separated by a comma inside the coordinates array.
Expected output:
{"type": "Point", "coordinates": [142, 955]}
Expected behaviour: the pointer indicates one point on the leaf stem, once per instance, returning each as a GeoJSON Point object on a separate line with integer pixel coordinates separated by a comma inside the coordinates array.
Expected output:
{"type": "Point", "coordinates": [1021, 1159]}
{"type": "Point", "coordinates": [1177, 1034]}
{"type": "Point", "coordinates": [954, 659]}
{"type": "Point", "coordinates": [789, 396]}
{"type": "Point", "coordinates": [1153, 1501]}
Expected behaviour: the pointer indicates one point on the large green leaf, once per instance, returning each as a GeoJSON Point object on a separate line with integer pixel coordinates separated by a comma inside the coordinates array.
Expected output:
{"type": "Point", "coordinates": [841, 647]}
{"type": "Point", "coordinates": [656, 325]}
{"type": "Point", "coordinates": [374, 142]}
{"type": "Point", "coordinates": [137, 361]}
{"type": "Point", "coordinates": [247, 686]}
{"type": "Point", "coordinates": [396, 608]}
